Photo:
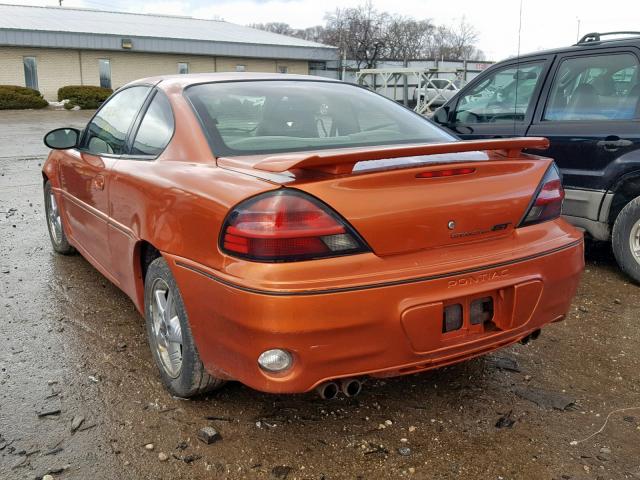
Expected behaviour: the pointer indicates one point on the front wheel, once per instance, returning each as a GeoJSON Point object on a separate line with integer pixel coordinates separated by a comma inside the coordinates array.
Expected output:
{"type": "Point", "coordinates": [626, 239]}
{"type": "Point", "coordinates": [58, 237]}
{"type": "Point", "coordinates": [170, 339]}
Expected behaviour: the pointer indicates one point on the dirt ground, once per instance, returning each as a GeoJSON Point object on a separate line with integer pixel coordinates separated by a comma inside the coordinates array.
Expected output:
{"type": "Point", "coordinates": [72, 346]}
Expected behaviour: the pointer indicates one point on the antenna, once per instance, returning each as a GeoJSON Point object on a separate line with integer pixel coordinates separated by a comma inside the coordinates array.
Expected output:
{"type": "Point", "coordinates": [515, 103]}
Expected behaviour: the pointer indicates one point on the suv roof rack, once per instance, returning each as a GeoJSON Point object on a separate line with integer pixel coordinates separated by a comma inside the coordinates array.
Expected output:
{"type": "Point", "coordinates": [596, 37]}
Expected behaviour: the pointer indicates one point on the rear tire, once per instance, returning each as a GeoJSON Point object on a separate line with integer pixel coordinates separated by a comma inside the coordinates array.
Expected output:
{"type": "Point", "coordinates": [58, 237]}
{"type": "Point", "coordinates": [626, 239]}
{"type": "Point", "coordinates": [169, 333]}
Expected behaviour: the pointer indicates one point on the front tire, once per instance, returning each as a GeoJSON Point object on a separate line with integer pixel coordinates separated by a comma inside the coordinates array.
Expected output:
{"type": "Point", "coordinates": [169, 333]}
{"type": "Point", "coordinates": [58, 237]}
{"type": "Point", "coordinates": [626, 239]}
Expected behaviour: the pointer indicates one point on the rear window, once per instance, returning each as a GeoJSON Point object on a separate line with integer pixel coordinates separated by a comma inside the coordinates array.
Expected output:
{"type": "Point", "coordinates": [256, 117]}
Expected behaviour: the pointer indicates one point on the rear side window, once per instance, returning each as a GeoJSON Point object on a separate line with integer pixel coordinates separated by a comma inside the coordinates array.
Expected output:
{"type": "Point", "coordinates": [503, 96]}
{"type": "Point", "coordinates": [107, 132]}
{"type": "Point", "coordinates": [595, 87]}
{"type": "Point", "coordinates": [156, 128]}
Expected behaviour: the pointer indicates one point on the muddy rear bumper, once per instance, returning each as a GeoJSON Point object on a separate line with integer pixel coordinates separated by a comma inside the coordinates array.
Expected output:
{"type": "Point", "coordinates": [382, 330]}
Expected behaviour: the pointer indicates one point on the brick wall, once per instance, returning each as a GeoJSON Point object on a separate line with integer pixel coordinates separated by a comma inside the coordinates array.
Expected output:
{"type": "Point", "coordinates": [56, 68]}
{"type": "Point", "coordinates": [60, 67]}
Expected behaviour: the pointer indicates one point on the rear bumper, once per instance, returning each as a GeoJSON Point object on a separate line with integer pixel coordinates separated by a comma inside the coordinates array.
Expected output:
{"type": "Point", "coordinates": [382, 330]}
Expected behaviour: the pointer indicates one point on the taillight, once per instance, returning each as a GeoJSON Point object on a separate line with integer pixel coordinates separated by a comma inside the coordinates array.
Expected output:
{"type": "Point", "coordinates": [548, 201]}
{"type": "Point", "coordinates": [287, 225]}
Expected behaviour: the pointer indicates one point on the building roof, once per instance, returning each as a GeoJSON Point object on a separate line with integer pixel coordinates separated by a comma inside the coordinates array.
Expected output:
{"type": "Point", "coordinates": [64, 27]}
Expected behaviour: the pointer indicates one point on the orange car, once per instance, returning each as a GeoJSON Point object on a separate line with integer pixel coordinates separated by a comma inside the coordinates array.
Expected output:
{"type": "Point", "coordinates": [293, 232]}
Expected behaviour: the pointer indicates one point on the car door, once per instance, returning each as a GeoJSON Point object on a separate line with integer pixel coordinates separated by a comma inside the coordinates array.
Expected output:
{"type": "Point", "coordinates": [500, 102]}
{"type": "Point", "coordinates": [150, 134]}
{"type": "Point", "coordinates": [85, 174]}
{"type": "Point", "coordinates": [590, 115]}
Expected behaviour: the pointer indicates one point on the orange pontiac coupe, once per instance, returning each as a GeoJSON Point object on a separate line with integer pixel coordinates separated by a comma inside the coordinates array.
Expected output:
{"type": "Point", "coordinates": [293, 232]}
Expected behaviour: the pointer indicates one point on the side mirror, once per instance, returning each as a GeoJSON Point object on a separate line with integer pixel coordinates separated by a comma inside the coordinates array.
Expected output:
{"type": "Point", "coordinates": [62, 138]}
{"type": "Point", "coordinates": [441, 115]}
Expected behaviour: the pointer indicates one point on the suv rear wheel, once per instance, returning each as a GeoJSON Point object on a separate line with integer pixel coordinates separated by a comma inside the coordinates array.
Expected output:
{"type": "Point", "coordinates": [626, 239]}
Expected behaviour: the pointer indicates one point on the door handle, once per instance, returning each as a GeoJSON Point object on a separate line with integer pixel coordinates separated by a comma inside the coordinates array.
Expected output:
{"type": "Point", "coordinates": [98, 182]}
{"type": "Point", "coordinates": [613, 143]}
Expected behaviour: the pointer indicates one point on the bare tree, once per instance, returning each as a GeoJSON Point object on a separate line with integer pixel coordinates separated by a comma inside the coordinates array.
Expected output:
{"type": "Point", "coordinates": [367, 35]}
{"type": "Point", "coordinates": [406, 38]}
{"type": "Point", "coordinates": [274, 27]}
{"type": "Point", "coordinates": [456, 42]}
{"type": "Point", "coordinates": [359, 32]}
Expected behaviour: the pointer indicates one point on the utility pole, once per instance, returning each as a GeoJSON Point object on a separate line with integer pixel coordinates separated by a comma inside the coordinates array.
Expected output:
{"type": "Point", "coordinates": [578, 34]}
{"type": "Point", "coordinates": [59, 3]}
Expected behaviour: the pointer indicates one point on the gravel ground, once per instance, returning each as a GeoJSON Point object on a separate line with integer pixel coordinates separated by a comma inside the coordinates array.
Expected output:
{"type": "Point", "coordinates": [80, 397]}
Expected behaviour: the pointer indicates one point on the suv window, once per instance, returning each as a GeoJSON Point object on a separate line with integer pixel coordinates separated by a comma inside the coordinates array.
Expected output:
{"type": "Point", "coordinates": [156, 128]}
{"type": "Point", "coordinates": [595, 87]}
{"type": "Point", "coordinates": [107, 132]}
{"type": "Point", "coordinates": [503, 96]}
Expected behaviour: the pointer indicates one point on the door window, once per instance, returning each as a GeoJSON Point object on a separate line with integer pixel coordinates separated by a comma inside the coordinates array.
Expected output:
{"type": "Point", "coordinates": [30, 72]}
{"type": "Point", "coordinates": [156, 128]}
{"type": "Point", "coordinates": [183, 68]}
{"type": "Point", "coordinates": [107, 132]}
{"type": "Point", "coordinates": [503, 96]}
{"type": "Point", "coordinates": [595, 87]}
{"type": "Point", "coordinates": [105, 72]}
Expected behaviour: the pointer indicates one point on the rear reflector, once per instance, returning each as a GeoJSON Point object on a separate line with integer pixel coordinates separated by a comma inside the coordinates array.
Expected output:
{"type": "Point", "coordinates": [481, 311]}
{"type": "Point", "coordinates": [452, 318]}
{"type": "Point", "coordinates": [548, 202]}
{"type": "Point", "coordinates": [287, 225]}
{"type": "Point", "coordinates": [445, 173]}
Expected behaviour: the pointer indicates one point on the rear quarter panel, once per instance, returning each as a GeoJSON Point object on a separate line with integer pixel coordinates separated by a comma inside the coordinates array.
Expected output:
{"type": "Point", "coordinates": [176, 203]}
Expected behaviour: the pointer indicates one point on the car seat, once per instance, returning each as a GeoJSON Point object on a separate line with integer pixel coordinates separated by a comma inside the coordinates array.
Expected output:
{"type": "Point", "coordinates": [584, 101]}
{"type": "Point", "coordinates": [289, 118]}
{"type": "Point", "coordinates": [634, 99]}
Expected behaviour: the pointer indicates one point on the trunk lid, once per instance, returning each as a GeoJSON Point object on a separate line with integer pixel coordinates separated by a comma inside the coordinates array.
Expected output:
{"type": "Point", "coordinates": [397, 211]}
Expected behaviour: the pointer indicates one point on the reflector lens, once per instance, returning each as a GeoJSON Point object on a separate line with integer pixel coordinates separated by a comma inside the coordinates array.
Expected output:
{"type": "Point", "coordinates": [452, 318]}
{"type": "Point", "coordinates": [287, 225]}
{"type": "Point", "coordinates": [548, 202]}
{"type": "Point", "coordinates": [275, 360]}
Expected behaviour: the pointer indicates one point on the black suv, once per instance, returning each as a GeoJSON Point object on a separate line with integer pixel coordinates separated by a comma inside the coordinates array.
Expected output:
{"type": "Point", "coordinates": [586, 100]}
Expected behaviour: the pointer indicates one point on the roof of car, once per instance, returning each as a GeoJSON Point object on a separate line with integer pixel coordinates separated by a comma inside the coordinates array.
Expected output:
{"type": "Point", "coordinates": [184, 80]}
{"type": "Point", "coordinates": [579, 47]}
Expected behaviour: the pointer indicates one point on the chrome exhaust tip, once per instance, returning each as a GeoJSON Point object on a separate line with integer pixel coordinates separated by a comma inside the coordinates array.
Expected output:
{"type": "Point", "coordinates": [328, 390]}
{"type": "Point", "coordinates": [350, 387]}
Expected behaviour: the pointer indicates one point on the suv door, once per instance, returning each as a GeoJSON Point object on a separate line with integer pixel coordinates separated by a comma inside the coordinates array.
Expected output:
{"type": "Point", "coordinates": [85, 174]}
{"type": "Point", "coordinates": [499, 102]}
{"type": "Point", "coordinates": [590, 114]}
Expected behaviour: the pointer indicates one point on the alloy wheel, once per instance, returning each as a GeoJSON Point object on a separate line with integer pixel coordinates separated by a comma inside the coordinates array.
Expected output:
{"type": "Point", "coordinates": [53, 216]}
{"type": "Point", "coordinates": [166, 328]}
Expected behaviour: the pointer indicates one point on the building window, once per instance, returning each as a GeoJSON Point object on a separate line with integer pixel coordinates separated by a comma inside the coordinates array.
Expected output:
{"type": "Point", "coordinates": [183, 68]}
{"type": "Point", "coordinates": [241, 68]}
{"type": "Point", "coordinates": [30, 72]}
{"type": "Point", "coordinates": [283, 69]}
{"type": "Point", "coordinates": [105, 72]}
{"type": "Point", "coordinates": [317, 65]}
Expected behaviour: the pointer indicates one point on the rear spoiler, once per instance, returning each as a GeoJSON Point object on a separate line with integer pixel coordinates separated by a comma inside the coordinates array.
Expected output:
{"type": "Point", "coordinates": [337, 162]}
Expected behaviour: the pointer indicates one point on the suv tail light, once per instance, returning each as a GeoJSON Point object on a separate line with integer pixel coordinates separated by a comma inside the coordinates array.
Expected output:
{"type": "Point", "coordinates": [547, 204]}
{"type": "Point", "coordinates": [287, 225]}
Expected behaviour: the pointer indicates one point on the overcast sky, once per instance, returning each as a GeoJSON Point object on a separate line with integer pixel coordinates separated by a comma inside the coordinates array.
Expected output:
{"type": "Point", "coordinates": [545, 23]}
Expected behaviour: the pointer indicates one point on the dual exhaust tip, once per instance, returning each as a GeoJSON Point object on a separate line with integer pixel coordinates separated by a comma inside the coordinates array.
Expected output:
{"type": "Point", "coordinates": [349, 387]}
